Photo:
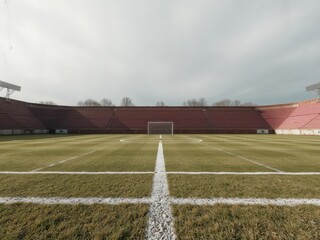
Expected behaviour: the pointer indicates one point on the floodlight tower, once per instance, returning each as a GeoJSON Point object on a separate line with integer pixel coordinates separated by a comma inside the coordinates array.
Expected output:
{"type": "Point", "coordinates": [11, 88]}
{"type": "Point", "coordinates": [315, 88]}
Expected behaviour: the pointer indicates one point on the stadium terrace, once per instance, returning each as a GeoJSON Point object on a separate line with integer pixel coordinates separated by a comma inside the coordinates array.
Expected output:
{"type": "Point", "coordinates": [18, 117]}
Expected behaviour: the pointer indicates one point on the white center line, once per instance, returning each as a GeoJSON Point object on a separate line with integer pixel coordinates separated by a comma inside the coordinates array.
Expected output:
{"type": "Point", "coordinates": [160, 222]}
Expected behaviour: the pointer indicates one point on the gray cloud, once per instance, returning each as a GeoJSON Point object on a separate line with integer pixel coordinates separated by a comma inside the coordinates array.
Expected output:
{"type": "Point", "coordinates": [65, 51]}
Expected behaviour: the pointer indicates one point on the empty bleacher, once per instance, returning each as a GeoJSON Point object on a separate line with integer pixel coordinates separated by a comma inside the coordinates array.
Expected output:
{"type": "Point", "coordinates": [17, 115]}
{"type": "Point", "coordinates": [135, 119]}
{"type": "Point", "coordinates": [304, 115]}
{"type": "Point", "coordinates": [276, 115]}
{"type": "Point", "coordinates": [237, 119]}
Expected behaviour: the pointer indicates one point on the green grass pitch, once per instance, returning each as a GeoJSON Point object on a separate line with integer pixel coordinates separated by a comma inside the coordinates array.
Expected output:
{"type": "Point", "coordinates": [26, 161]}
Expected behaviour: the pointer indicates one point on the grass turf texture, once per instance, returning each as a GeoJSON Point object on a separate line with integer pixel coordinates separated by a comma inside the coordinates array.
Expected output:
{"type": "Point", "coordinates": [110, 154]}
{"type": "Point", "coordinates": [233, 186]}
{"type": "Point", "coordinates": [247, 222]}
{"type": "Point", "coordinates": [119, 157]}
{"type": "Point", "coordinates": [75, 185]}
{"type": "Point", "coordinates": [285, 153]}
{"type": "Point", "coordinates": [197, 157]}
{"type": "Point", "coordinates": [28, 221]}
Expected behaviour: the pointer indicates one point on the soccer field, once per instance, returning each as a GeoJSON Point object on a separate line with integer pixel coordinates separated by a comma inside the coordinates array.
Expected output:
{"type": "Point", "coordinates": [153, 186]}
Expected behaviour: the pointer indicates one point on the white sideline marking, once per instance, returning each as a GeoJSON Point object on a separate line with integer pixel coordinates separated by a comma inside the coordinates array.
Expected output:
{"type": "Point", "coordinates": [194, 139]}
{"type": "Point", "coordinates": [176, 173]}
{"type": "Point", "coordinates": [68, 159]}
{"type": "Point", "coordinates": [73, 201]}
{"type": "Point", "coordinates": [247, 173]}
{"type": "Point", "coordinates": [245, 159]}
{"type": "Point", "coordinates": [246, 201]}
{"type": "Point", "coordinates": [75, 173]}
{"type": "Point", "coordinates": [156, 141]}
{"type": "Point", "coordinates": [160, 222]}
{"type": "Point", "coordinates": [177, 201]}
{"type": "Point", "coordinates": [160, 136]}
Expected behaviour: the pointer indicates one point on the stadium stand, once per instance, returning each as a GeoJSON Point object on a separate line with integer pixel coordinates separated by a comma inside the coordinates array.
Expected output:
{"type": "Point", "coordinates": [17, 117]}
{"type": "Point", "coordinates": [236, 119]}
{"type": "Point", "coordinates": [297, 118]}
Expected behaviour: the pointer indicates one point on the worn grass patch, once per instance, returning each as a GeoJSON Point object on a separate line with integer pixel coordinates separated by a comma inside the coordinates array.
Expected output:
{"type": "Point", "coordinates": [28, 221]}
{"type": "Point", "coordinates": [232, 186]}
{"type": "Point", "coordinates": [247, 222]}
{"type": "Point", "coordinates": [75, 185]}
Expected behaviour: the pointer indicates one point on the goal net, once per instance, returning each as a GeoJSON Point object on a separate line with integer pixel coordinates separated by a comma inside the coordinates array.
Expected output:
{"type": "Point", "coordinates": [160, 127]}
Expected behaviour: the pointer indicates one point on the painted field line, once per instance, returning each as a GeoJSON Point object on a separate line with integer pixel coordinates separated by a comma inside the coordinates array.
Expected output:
{"type": "Point", "coordinates": [241, 157]}
{"type": "Point", "coordinates": [75, 173]}
{"type": "Point", "coordinates": [173, 173]}
{"type": "Point", "coordinates": [160, 221]}
{"type": "Point", "coordinates": [61, 139]}
{"type": "Point", "coordinates": [244, 158]}
{"type": "Point", "coordinates": [177, 201]}
{"type": "Point", "coordinates": [73, 201]}
{"type": "Point", "coordinates": [165, 141]}
{"type": "Point", "coordinates": [246, 201]}
{"type": "Point", "coordinates": [132, 139]}
{"type": "Point", "coordinates": [247, 173]}
{"type": "Point", "coordinates": [194, 139]}
{"type": "Point", "coordinates": [68, 159]}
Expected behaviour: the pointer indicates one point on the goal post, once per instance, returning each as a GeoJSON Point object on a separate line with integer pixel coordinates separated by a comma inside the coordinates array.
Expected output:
{"type": "Point", "coordinates": [160, 128]}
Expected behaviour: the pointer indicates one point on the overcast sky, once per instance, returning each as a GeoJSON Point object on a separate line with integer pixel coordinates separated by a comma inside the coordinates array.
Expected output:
{"type": "Point", "coordinates": [263, 51]}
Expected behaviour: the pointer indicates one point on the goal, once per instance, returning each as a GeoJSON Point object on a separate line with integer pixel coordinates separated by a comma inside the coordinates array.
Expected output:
{"type": "Point", "coordinates": [160, 127]}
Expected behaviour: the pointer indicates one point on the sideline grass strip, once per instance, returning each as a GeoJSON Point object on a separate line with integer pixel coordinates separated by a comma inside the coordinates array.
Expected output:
{"type": "Point", "coordinates": [247, 222]}
{"type": "Point", "coordinates": [198, 157]}
{"type": "Point", "coordinates": [27, 157]}
{"type": "Point", "coordinates": [248, 186]}
{"type": "Point", "coordinates": [124, 157]}
{"type": "Point", "coordinates": [36, 153]}
{"type": "Point", "coordinates": [28, 221]}
{"type": "Point", "coordinates": [75, 185]}
{"type": "Point", "coordinates": [287, 153]}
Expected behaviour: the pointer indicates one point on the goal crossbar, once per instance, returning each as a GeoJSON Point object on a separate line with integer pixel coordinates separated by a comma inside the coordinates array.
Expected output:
{"type": "Point", "coordinates": [160, 128]}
